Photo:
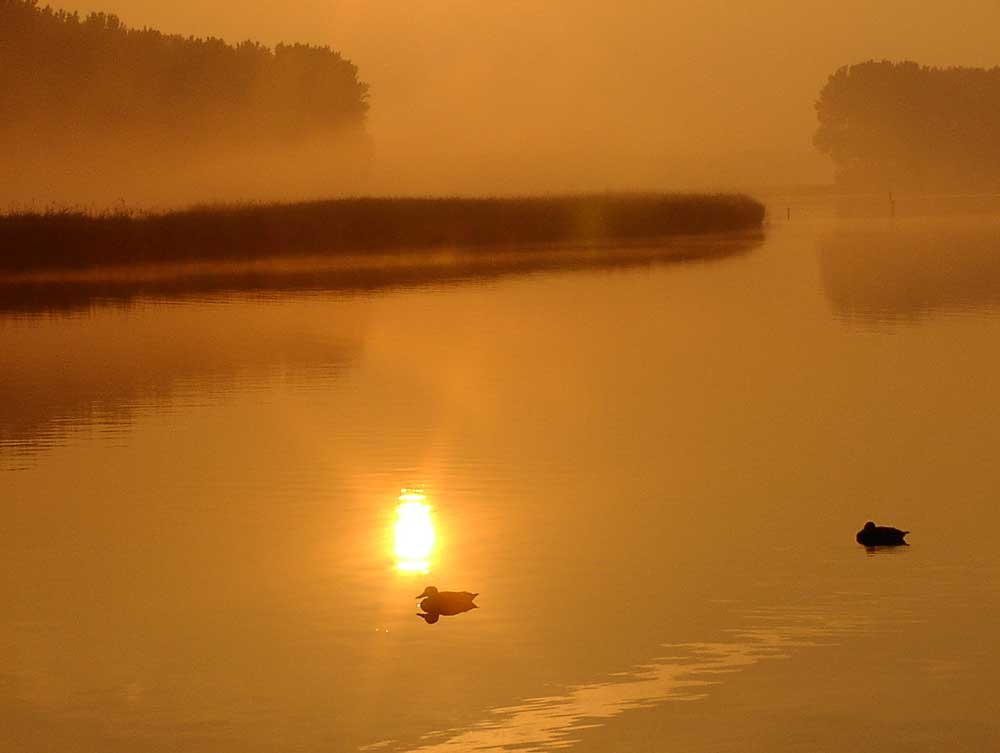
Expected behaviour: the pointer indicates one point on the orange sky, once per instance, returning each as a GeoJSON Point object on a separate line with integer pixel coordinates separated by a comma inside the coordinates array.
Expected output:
{"type": "Point", "coordinates": [578, 94]}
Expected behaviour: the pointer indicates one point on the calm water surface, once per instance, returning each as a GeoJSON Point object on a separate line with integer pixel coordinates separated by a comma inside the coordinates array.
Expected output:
{"type": "Point", "coordinates": [651, 470]}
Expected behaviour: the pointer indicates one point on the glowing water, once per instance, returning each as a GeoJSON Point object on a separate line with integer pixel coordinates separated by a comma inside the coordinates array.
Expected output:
{"type": "Point", "coordinates": [414, 532]}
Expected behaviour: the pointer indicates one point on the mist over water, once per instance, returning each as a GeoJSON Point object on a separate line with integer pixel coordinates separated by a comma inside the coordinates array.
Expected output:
{"type": "Point", "coordinates": [430, 475]}
{"type": "Point", "coordinates": [525, 97]}
{"type": "Point", "coordinates": [117, 174]}
{"type": "Point", "coordinates": [650, 468]}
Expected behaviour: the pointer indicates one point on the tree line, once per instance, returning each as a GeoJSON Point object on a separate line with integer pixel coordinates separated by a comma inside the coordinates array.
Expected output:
{"type": "Point", "coordinates": [92, 76]}
{"type": "Point", "coordinates": [902, 125]}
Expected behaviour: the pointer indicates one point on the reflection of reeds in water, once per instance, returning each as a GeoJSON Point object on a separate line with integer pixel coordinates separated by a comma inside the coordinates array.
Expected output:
{"type": "Point", "coordinates": [72, 377]}
{"type": "Point", "coordinates": [47, 291]}
{"type": "Point", "coordinates": [74, 240]}
{"type": "Point", "coordinates": [103, 389]}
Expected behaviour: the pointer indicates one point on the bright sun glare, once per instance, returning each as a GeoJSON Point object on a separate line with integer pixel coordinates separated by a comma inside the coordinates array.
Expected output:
{"type": "Point", "coordinates": [414, 532]}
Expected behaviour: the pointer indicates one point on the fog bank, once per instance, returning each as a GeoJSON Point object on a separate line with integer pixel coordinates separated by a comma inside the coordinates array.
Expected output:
{"type": "Point", "coordinates": [583, 95]}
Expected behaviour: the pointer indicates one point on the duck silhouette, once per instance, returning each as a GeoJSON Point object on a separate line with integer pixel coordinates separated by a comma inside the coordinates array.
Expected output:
{"type": "Point", "coordinates": [436, 603]}
{"type": "Point", "coordinates": [873, 535]}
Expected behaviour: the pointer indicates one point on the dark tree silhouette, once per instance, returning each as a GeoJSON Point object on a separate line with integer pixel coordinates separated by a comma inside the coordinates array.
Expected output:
{"type": "Point", "coordinates": [889, 125]}
{"type": "Point", "coordinates": [77, 89]}
{"type": "Point", "coordinates": [93, 73]}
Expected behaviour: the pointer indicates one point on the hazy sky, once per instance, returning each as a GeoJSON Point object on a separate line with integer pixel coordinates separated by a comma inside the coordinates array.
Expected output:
{"type": "Point", "coordinates": [557, 94]}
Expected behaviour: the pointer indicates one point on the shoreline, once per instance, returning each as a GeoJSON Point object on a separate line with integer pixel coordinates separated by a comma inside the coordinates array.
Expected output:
{"type": "Point", "coordinates": [68, 240]}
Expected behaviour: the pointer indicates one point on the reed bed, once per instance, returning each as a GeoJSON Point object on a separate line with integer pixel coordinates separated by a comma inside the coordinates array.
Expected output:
{"type": "Point", "coordinates": [67, 239]}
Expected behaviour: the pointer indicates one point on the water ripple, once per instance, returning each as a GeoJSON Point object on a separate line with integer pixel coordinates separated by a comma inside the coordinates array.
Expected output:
{"type": "Point", "coordinates": [687, 674]}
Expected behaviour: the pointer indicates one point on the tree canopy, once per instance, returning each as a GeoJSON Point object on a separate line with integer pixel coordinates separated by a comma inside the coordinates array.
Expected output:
{"type": "Point", "coordinates": [887, 125]}
{"type": "Point", "coordinates": [93, 75]}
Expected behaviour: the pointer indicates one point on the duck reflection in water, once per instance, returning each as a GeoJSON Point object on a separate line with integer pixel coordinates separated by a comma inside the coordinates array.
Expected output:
{"type": "Point", "coordinates": [436, 603]}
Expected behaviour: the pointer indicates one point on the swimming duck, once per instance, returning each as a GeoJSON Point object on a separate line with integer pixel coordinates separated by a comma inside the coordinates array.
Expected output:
{"type": "Point", "coordinates": [873, 535]}
{"type": "Point", "coordinates": [435, 603]}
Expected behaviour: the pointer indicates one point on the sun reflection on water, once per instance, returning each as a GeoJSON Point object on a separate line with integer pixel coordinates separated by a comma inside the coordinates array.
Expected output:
{"type": "Point", "coordinates": [414, 532]}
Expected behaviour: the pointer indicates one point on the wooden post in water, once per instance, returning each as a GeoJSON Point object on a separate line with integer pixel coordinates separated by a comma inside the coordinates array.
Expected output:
{"type": "Point", "coordinates": [788, 213]}
{"type": "Point", "coordinates": [892, 205]}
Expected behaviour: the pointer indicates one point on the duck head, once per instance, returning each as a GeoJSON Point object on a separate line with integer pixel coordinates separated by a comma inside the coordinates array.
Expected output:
{"type": "Point", "coordinates": [869, 526]}
{"type": "Point", "coordinates": [429, 591]}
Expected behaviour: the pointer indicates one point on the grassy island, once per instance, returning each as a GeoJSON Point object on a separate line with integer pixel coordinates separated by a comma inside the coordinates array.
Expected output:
{"type": "Point", "coordinates": [32, 241]}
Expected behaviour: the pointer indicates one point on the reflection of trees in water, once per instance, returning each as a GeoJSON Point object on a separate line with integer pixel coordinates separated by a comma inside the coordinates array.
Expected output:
{"type": "Point", "coordinates": [911, 269]}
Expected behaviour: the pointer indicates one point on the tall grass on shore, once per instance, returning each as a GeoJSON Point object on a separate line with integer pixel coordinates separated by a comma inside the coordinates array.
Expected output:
{"type": "Point", "coordinates": [31, 241]}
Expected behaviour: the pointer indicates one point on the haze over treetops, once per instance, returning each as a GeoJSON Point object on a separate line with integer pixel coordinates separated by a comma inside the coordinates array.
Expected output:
{"type": "Point", "coordinates": [584, 95]}
{"type": "Point", "coordinates": [466, 99]}
{"type": "Point", "coordinates": [97, 106]}
{"type": "Point", "coordinates": [905, 126]}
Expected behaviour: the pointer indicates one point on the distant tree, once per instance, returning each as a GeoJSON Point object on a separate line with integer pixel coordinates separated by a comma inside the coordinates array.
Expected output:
{"type": "Point", "coordinates": [903, 125]}
{"type": "Point", "coordinates": [90, 77]}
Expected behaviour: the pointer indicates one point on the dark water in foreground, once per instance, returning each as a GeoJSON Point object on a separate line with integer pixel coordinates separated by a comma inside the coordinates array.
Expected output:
{"type": "Point", "coordinates": [651, 471]}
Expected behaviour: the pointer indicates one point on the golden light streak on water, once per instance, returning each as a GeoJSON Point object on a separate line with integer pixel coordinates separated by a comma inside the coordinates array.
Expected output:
{"type": "Point", "coordinates": [414, 532]}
